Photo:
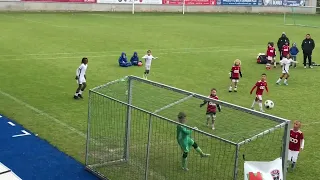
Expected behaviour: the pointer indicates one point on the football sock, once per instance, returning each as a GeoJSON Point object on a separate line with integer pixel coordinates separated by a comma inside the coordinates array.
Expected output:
{"type": "Point", "coordinates": [285, 81]}
{"type": "Point", "coordinates": [80, 92]}
{"type": "Point", "coordinates": [254, 103]}
{"type": "Point", "coordinates": [260, 105]}
{"type": "Point", "coordinates": [76, 94]}
{"type": "Point", "coordinates": [199, 150]}
{"type": "Point", "coordinates": [293, 165]}
{"type": "Point", "coordinates": [184, 162]}
{"type": "Point", "coordinates": [275, 63]}
{"type": "Point", "coordinates": [230, 88]}
{"type": "Point", "coordinates": [279, 80]}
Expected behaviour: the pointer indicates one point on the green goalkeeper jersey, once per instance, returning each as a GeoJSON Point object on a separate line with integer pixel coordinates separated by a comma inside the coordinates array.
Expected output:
{"type": "Point", "coordinates": [184, 138]}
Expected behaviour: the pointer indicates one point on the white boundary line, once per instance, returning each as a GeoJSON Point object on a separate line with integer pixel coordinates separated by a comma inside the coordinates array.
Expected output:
{"type": "Point", "coordinates": [172, 50]}
{"type": "Point", "coordinates": [43, 114]}
{"type": "Point", "coordinates": [114, 55]}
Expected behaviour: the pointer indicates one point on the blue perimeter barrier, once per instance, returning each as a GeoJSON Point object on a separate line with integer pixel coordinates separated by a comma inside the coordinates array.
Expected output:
{"type": "Point", "coordinates": [32, 158]}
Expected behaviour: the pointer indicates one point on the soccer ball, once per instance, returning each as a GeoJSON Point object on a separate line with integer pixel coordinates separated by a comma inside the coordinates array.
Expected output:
{"type": "Point", "coordinates": [268, 104]}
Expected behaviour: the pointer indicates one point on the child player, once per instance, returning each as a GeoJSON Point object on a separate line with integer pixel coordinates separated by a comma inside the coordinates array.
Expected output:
{"type": "Point", "coordinates": [261, 85]}
{"type": "Point", "coordinates": [81, 78]}
{"type": "Point", "coordinates": [148, 58]}
{"type": "Point", "coordinates": [285, 64]}
{"type": "Point", "coordinates": [235, 75]}
{"type": "Point", "coordinates": [211, 108]}
{"type": "Point", "coordinates": [185, 141]}
{"type": "Point", "coordinates": [296, 143]}
{"type": "Point", "coordinates": [271, 54]}
{"type": "Point", "coordinates": [284, 51]}
{"type": "Point", "coordinates": [294, 52]}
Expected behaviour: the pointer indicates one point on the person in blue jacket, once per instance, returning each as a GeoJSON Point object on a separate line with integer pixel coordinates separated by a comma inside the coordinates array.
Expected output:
{"type": "Point", "coordinates": [135, 59]}
{"type": "Point", "coordinates": [123, 62]}
{"type": "Point", "coordinates": [294, 52]}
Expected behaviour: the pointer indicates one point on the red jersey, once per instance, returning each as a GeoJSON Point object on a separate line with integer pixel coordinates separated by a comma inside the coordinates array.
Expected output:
{"type": "Point", "coordinates": [285, 50]}
{"type": "Point", "coordinates": [296, 138]}
{"type": "Point", "coordinates": [271, 51]}
{"type": "Point", "coordinates": [235, 72]}
{"type": "Point", "coordinates": [261, 86]}
{"type": "Point", "coordinates": [212, 107]}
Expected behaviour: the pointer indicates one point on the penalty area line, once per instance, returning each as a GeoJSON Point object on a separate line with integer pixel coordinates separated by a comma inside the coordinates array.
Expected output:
{"type": "Point", "coordinates": [114, 55]}
{"type": "Point", "coordinates": [42, 113]}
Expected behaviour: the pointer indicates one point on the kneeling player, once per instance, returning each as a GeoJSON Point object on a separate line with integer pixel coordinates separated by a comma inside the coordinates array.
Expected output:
{"type": "Point", "coordinates": [211, 108]}
{"type": "Point", "coordinates": [81, 78]}
{"type": "Point", "coordinates": [296, 144]}
{"type": "Point", "coordinates": [185, 141]}
{"type": "Point", "coordinates": [285, 63]}
{"type": "Point", "coordinates": [261, 85]}
{"type": "Point", "coordinates": [235, 75]}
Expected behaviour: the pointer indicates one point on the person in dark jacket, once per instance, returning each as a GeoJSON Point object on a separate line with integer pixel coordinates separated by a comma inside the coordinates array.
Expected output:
{"type": "Point", "coordinates": [123, 62]}
{"type": "Point", "coordinates": [294, 52]}
{"type": "Point", "coordinates": [135, 59]}
{"type": "Point", "coordinates": [307, 47]}
{"type": "Point", "coordinates": [281, 42]}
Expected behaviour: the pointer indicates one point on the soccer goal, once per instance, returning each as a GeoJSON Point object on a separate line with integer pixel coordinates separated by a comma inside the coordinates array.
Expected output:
{"type": "Point", "coordinates": [132, 134]}
{"type": "Point", "coordinates": [305, 16]}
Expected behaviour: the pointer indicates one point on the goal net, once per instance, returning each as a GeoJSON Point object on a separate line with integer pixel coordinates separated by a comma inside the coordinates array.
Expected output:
{"type": "Point", "coordinates": [132, 134]}
{"type": "Point", "coordinates": [302, 16]}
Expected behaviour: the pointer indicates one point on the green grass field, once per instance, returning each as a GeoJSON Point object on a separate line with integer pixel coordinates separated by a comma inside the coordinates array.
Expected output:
{"type": "Point", "coordinates": [41, 51]}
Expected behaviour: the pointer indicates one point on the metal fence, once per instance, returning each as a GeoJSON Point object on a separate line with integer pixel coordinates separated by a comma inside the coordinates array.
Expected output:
{"type": "Point", "coordinates": [132, 134]}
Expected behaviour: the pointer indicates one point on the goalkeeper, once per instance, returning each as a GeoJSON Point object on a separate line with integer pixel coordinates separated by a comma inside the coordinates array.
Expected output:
{"type": "Point", "coordinates": [185, 141]}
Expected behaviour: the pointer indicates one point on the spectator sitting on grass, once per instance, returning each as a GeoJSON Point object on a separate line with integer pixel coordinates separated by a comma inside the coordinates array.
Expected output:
{"type": "Point", "coordinates": [135, 59]}
{"type": "Point", "coordinates": [123, 62]}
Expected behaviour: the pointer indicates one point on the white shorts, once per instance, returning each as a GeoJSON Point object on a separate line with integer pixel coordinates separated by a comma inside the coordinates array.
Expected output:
{"type": "Point", "coordinates": [270, 58]}
{"type": "Point", "coordinates": [148, 66]}
{"type": "Point", "coordinates": [285, 72]}
{"type": "Point", "coordinates": [259, 97]}
{"type": "Point", "coordinates": [81, 81]}
{"type": "Point", "coordinates": [235, 80]}
{"type": "Point", "coordinates": [211, 115]}
{"type": "Point", "coordinates": [293, 155]}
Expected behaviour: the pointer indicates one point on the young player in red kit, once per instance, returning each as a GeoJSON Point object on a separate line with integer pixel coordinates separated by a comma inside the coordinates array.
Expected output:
{"type": "Point", "coordinates": [284, 51]}
{"type": "Point", "coordinates": [235, 75]}
{"type": "Point", "coordinates": [211, 108]}
{"type": "Point", "coordinates": [296, 143]}
{"type": "Point", "coordinates": [261, 85]}
{"type": "Point", "coordinates": [271, 54]}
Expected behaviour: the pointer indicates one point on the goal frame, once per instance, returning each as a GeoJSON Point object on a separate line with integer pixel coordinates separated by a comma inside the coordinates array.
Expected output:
{"type": "Point", "coordinates": [282, 123]}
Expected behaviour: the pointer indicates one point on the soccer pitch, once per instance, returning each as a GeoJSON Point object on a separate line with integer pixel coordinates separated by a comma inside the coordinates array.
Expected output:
{"type": "Point", "coordinates": [41, 51]}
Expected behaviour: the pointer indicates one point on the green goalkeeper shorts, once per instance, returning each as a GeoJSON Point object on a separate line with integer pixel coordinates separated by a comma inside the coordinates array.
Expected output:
{"type": "Point", "coordinates": [186, 145]}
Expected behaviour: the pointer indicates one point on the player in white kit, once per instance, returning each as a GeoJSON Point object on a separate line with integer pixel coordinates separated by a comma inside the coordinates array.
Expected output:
{"type": "Point", "coordinates": [81, 78]}
{"type": "Point", "coordinates": [285, 64]}
{"type": "Point", "coordinates": [148, 58]}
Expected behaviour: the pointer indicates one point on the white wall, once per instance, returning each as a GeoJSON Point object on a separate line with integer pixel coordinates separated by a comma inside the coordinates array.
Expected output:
{"type": "Point", "coordinates": [38, 6]}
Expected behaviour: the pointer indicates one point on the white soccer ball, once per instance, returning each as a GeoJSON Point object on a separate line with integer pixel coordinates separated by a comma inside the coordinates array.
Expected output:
{"type": "Point", "coordinates": [268, 104]}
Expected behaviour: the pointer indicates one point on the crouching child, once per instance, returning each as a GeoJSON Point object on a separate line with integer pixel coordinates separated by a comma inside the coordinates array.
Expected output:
{"type": "Point", "coordinates": [123, 61]}
{"type": "Point", "coordinates": [135, 59]}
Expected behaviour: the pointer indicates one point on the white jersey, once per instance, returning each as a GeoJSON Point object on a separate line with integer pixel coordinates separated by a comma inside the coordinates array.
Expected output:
{"type": "Point", "coordinates": [148, 59]}
{"type": "Point", "coordinates": [285, 63]}
{"type": "Point", "coordinates": [81, 71]}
